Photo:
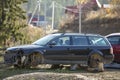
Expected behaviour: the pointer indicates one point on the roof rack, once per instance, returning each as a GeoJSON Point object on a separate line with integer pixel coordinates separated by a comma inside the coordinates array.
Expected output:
{"type": "Point", "coordinates": [58, 33]}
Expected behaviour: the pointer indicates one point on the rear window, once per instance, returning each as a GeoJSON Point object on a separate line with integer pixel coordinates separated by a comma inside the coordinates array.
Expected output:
{"type": "Point", "coordinates": [114, 40]}
{"type": "Point", "coordinates": [98, 41]}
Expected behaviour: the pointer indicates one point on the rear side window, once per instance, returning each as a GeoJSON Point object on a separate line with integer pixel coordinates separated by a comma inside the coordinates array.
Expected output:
{"type": "Point", "coordinates": [80, 40]}
{"type": "Point", "coordinates": [114, 40]}
{"type": "Point", "coordinates": [98, 41]}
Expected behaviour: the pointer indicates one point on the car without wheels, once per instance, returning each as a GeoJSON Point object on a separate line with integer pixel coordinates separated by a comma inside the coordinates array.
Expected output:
{"type": "Point", "coordinates": [62, 48]}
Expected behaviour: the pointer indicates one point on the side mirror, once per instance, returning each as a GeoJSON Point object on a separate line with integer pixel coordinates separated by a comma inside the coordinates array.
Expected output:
{"type": "Point", "coordinates": [52, 44]}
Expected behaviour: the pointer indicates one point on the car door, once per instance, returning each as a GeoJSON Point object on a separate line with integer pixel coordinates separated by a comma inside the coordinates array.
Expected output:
{"type": "Point", "coordinates": [80, 48]}
{"type": "Point", "coordinates": [59, 49]}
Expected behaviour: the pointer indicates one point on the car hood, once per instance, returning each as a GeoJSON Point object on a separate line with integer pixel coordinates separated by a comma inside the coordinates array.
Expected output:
{"type": "Point", "coordinates": [24, 47]}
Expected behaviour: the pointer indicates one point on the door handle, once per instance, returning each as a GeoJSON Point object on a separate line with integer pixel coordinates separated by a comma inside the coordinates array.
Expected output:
{"type": "Point", "coordinates": [88, 48]}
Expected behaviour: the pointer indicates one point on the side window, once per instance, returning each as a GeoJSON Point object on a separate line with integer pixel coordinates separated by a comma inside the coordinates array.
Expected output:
{"type": "Point", "coordinates": [98, 41]}
{"type": "Point", "coordinates": [114, 40]}
{"type": "Point", "coordinates": [62, 41]}
{"type": "Point", "coordinates": [80, 40]}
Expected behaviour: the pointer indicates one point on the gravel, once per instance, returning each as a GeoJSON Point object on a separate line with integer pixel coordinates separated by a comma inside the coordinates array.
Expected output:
{"type": "Point", "coordinates": [47, 76]}
{"type": "Point", "coordinates": [81, 74]}
{"type": "Point", "coordinates": [109, 74]}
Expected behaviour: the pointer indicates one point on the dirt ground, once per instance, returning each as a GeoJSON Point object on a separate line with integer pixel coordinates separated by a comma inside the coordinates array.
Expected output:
{"type": "Point", "coordinates": [108, 74]}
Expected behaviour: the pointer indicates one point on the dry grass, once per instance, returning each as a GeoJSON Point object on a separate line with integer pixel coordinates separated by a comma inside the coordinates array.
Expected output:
{"type": "Point", "coordinates": [7, 72]}
{"type": "Point", "coordinates": [57, 74]}
{"type": "Point", "coordinates": [100, 14]}
{"type": "Point", "coordinates": [1, 59]}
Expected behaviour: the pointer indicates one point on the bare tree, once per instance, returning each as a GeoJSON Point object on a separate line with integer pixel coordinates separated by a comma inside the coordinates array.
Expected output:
{"type": "Point", "coordinates": [82, 1]}
{"type": "Point", "coordinates": [115, 6]}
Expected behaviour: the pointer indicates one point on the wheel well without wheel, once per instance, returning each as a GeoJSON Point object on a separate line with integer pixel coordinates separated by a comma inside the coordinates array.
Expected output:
{"type": "Point", "coordinates": [94, 52]}
{"type": "Point", "coordinates": [39, 53]}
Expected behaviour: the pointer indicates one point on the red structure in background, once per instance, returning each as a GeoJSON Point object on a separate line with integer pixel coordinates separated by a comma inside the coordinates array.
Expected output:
{"type": "Point", "coordinates": [74, 10]}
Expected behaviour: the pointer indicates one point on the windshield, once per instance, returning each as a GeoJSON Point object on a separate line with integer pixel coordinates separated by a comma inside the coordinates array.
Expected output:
{"type": "Point", "coordinates": [43, 41]}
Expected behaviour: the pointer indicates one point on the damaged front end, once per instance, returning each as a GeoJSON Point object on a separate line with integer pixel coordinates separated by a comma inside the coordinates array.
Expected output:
{"type": "Point", "coordinates": [15, 58]}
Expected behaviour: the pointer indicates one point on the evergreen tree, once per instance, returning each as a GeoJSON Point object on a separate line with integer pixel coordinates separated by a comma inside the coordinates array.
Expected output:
{"type": "Point", "coordinates": [11, 20]}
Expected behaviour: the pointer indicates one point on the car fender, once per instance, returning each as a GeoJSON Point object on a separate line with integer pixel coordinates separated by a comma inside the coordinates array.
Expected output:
{"type": "Point", "coordinates": [95, 51]}
{"type": "Point", "coordinates": [29, 53]}
{"type": "Point", "coordinates": [37, 51]}
{"type": "Point", "coordinates": [25, 57]}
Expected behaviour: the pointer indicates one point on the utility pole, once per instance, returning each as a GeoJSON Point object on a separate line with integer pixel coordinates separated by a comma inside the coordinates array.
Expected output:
{"type": "Point", "coordinates": [37, 7]}
{"type": "Point", "coordinates": [53, 14]}
{"type": "Point", "coordinates": [33, 14]}
{"type": "Point", "coordinates": [80, 12]}
{"type": "Point", "coordinates": [45, 11]}
{"type": "Point", "coordinates": [39, 4]}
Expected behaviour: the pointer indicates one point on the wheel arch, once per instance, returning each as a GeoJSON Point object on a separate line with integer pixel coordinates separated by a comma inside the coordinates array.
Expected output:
{"type": "Point", "coordinates": [40, 53]}
{"type": "Point", "coordinates": [36, 51]}
{"type": "Point", "coordinates": [94, 52]}
{"type": "Point", "coordinates": [92, 61]}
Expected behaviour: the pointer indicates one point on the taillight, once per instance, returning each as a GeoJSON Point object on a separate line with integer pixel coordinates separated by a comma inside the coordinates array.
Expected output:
{"type": "Point", "coordinates": [111, 50]}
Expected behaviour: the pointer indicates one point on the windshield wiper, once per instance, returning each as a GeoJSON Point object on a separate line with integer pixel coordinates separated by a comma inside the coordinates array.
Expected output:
{"type": "Point", "coordinates": [35, 44]}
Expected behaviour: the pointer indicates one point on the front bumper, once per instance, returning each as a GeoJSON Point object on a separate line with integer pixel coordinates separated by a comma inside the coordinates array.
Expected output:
{"type": "Point", "coordinates": [9, 58]}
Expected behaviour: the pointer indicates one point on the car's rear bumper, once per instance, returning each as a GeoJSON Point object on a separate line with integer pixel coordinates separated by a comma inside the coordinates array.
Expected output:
{"type": "Point", "coordinates": [108, 58]}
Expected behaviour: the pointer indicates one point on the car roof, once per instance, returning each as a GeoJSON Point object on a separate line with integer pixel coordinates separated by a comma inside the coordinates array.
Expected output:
{"type": "Point", "coordinates": [113, 34]}
{"type": "Point", "coordinates": [82, 34]}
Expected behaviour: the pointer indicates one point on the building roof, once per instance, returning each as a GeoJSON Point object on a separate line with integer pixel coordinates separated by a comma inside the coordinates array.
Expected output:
{"type": "Point", "coordinates": [85, 7]}
{"type": "Point", "coordinates": [103, 3]}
